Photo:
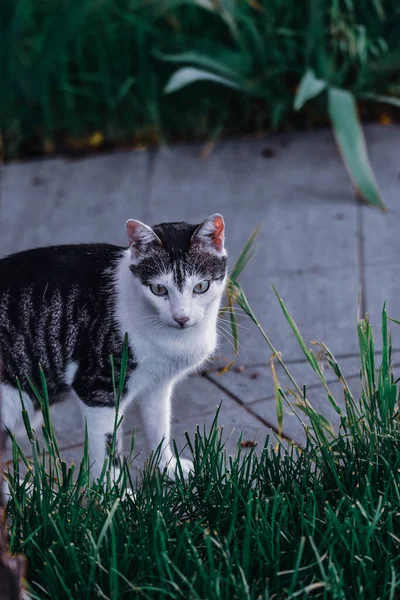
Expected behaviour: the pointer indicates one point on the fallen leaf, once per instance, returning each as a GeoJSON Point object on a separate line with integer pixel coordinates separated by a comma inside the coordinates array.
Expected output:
{"type": "Point", "coordinates": [385, 119]}
{"type": "Point", "coordinates": [248, 443]}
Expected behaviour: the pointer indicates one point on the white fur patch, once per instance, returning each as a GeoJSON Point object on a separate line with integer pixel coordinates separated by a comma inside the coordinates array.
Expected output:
{"type": "Point", "coordinates": [70, 373]}
{"type": "Point", "coordinates": [100, 422]}
{"type": "Point", "coordinates": [11, 407]}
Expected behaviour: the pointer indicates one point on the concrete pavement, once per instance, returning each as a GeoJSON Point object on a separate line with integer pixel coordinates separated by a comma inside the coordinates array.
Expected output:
{"type": "Point", "coordinates": [317, 243]}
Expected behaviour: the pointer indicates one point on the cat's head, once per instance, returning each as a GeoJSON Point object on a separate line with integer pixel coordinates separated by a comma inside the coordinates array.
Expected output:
{"type": "Point", "coordinates": [180, 268]}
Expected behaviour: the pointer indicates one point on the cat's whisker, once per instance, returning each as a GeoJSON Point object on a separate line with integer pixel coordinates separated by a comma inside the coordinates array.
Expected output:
{"type": "Point", "coordinates": [227, 330]}
{"type": "Point", "coordinates": [237, 314]}
{"type": "Point", "coordinates": [228, 336]}
{"type": "Point", "coordinates": [218, 349]}
{"type": "Point", "coordinates": [227, 339]}
{"type": "Point", "coordinates": [155, 327]}
{"type": "Point", "coordinates": [226, 319]}
{"type": "Point", "coordinates": [237, 310]}
{"type": "Point", "coordinates": [149, 318]}
{"type": "Point", "coordinates": [226, 322]}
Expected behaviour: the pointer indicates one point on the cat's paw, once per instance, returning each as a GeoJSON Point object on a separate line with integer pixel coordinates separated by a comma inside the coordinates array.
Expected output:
{"type": "Point", "coordinates": [173, 469]}
{"type": "Point", "coordinates": [128, 493]}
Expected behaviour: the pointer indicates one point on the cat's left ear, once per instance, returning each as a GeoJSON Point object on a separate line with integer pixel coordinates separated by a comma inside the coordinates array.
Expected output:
{"type": "Point", "coordinates": [140, 237]}
{"type": "Point", "coordinates": [211, 234]}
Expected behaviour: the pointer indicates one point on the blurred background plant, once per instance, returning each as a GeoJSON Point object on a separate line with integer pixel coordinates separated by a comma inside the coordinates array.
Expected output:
{"type": "Point", "coordinates": [99, 74]}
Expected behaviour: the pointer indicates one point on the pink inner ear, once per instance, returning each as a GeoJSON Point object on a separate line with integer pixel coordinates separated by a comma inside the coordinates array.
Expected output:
{"type": "Point", "coordinates": [218, 234]}
{"type": "Point", "coordinates": [132, 228]}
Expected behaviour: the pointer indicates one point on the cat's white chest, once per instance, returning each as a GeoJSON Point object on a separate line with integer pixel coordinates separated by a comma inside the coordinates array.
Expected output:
{"type": "Point", "coordinates": [168, 359]}
{"type": "Point", "coordinates": [176, 352]}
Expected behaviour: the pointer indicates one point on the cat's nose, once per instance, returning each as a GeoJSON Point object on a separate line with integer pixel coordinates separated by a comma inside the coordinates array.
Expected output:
{"type": "Point", "coordinates": [181, 320]}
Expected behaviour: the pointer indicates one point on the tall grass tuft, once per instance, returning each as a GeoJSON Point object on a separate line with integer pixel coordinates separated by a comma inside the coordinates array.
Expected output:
{"type": "Point", "coordinates": [271, 523]}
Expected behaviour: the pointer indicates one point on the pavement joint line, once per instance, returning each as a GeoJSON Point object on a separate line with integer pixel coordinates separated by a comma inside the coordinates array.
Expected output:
{"type": "Point", "coordinates": [361, 257]}
{"type": "Point", "coordinates": [63, 448]}
{"type": "Point", "coordinates": [312, 386]}
{"type": "Point", "coordinates": [296, 361]}
{"type": "Point", "coordinates": [248, 406]}
{"type": "Point", "coordinates": [248, 409]}
{"type": "Point", "coordinates": [70, 447]}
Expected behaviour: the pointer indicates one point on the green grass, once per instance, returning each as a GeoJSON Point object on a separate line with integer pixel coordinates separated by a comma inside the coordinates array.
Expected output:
{"type": "Point", "coordinates": [69, 69]}
{"type": "Point", "coordinates": [322, 522]}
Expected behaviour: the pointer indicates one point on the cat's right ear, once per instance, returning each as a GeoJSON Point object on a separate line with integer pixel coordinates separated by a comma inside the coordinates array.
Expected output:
{"type": "Point", "coordinates": [140, 237]}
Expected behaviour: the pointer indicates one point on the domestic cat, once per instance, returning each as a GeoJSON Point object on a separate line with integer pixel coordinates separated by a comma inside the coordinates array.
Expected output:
{"type": "Point", "coordinates": [68, 307]}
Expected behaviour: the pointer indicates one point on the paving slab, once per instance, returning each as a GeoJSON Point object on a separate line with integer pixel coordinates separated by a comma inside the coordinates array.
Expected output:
{"type": "Point", "coordinates": [383, 285]}
{"type": "Point", "coordinates": [292, 427]}
{"type": "Point", "coordinates": [195, 396]}
{"type": "Point", "coordinates": [323, 305]}
{"type": "Point", "coordinates": [233, 425]}
{"type": "Point", "coordinates": [62, 201]}
{"type": "Point", "coordinates": [233, 421]}
{"type": "Point", "coordinates": [302, 197]}
{"type": "Point", "coordinates": [381, 240]}
{"type": "Point", "coordinates": [250, 384]}
{"type": "Point", "coordinates": [195, 402]}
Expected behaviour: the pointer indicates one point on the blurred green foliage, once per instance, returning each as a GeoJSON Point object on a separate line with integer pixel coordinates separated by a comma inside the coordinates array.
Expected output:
{"type": "Point", "coordinates": [70, 70]}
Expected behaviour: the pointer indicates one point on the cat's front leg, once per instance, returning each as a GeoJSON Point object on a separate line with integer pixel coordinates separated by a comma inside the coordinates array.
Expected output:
{"type": "Point", "coordinates": [155, 414]}
{"type": "Point", "coordinates": [100, 427]}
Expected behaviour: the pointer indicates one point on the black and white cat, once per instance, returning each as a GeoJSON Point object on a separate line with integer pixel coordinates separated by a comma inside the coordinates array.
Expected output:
{"type": "Point", "coordinates": [68, 308]}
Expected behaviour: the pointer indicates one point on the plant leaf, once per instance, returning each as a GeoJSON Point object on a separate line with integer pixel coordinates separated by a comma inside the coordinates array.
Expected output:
{"type": "Point", "coordinates": [308, 353]}
{"type": "Point", "coordinates": [245, 255]}
{"type": "Point", "coordinates": [201, 60]}
{"type": "Point", "coordinates": [279, 395]}
{"type": "Point", "coordinates": [186, 75]}
{"type": "Point", "coordinates": [384, 99]}
{"type": "Point", "coordinates": [350, 140]}
{"type": "Point", "coordinates": [209, 5]}
{"type": "Point", "coordinates": [234, 326]}
{"type": "Point", "coordinates": [310, 86]}
{"type": "Point", "coordinates": [394, 320]}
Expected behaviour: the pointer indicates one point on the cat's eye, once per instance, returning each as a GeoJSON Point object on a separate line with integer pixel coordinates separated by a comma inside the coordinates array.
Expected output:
{"type": "Point", "coordinates": [159, 290]}
{"type": "Point", "coordinates": [201, 287]}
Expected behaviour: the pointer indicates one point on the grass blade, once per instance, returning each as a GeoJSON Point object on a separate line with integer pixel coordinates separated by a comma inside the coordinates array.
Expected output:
{"type": "Point", "coordinates": [245, 255]}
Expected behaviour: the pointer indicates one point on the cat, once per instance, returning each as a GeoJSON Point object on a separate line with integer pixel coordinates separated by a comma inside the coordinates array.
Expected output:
{"type": "Point", "coordinates": [68, 307]}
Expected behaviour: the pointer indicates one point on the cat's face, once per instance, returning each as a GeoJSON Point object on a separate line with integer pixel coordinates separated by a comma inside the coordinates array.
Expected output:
{"type": "Point", "coordinates": [181, 269]}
